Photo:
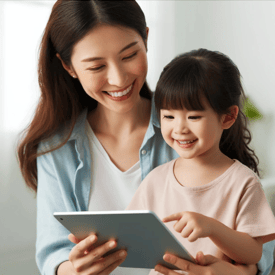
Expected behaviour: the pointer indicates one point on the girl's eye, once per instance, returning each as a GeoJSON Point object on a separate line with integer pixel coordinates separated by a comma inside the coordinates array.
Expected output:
{"type": "Point", "coordinates": [194, 117]}
{"type": "Point", "coordinates": [130, 56]}
{"type": "Point", "coordinates": [168, 117]}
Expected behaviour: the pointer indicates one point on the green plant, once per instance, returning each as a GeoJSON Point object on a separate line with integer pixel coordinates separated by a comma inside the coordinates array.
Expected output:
{"type": "Point", "coordinates": [250, 111]}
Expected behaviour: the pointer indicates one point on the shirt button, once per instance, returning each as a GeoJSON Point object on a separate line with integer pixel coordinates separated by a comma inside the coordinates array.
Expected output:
{"type": "Point", "coordinates": [143, 152]}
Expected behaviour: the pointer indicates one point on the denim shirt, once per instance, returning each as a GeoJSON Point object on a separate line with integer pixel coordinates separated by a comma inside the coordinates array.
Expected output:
{"type": "Point", "coordinates": [64, 180]}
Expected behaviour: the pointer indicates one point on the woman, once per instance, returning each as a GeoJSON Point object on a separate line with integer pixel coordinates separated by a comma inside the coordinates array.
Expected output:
{"type": "Point", "coordinates": [95, 134]}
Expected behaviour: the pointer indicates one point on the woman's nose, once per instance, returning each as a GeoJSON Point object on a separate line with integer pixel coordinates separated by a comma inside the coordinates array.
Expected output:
{"type": "Point", "coordinates": [117, 76]}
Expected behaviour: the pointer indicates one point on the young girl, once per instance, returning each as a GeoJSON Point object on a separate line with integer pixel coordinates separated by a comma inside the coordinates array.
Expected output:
{"type": "Point", "coordinates": [211, 189]}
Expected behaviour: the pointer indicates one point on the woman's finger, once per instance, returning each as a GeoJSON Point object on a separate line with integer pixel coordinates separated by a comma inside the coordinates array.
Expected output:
{"type": "Point", "coordinates": [200, 259]}
{"type": "Point", "coordinates": [73, 238]}
{"type": "Point", "coordinates": [182, 264]}
{"type": "Point", "coordinates": [205, 259]}
{"type": "Point", "coordinates": [112, 267]}
{"type": "Point", "coordinates": [82, 247]}
{"type": "Point", "coordinates": [164, 270]}
{"type": "Point", "coordinates": [94, 261]}
{"type": "Point", "coordinates": [110, 263]}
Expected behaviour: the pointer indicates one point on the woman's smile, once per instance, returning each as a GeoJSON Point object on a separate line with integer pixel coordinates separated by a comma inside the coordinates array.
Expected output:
{"type": "Point", "coordinates": [122, 94]}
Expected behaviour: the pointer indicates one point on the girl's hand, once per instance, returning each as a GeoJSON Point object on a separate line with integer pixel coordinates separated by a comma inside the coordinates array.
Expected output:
{"type": "Point", "coordinates": [207, 265]}
{"type": "Point", "coordinates": [191, 225]}
{"type": "Point", "coordinates": [86, 259]}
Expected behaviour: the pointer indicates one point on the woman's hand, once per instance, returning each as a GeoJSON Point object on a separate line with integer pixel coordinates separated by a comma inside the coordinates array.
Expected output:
{"type": "Point", "coordinates": [191, 225]}
{"type": "Point", "coordinates": [207, 265]}
{"type": "Point", "coordinates": [85, 259]}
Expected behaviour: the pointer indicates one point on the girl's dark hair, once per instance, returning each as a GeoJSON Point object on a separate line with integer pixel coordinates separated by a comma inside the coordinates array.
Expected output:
{"type": "Point", "coordinates": [212, 75]}
{"type": "Point", "coordinates": [62, 97]}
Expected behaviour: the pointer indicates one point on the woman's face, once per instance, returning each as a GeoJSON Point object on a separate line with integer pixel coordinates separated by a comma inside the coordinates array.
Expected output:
{"type": "Point", "coordinates": [111, 64]}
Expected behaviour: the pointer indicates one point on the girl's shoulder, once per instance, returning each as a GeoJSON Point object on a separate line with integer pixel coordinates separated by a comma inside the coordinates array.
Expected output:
{"type": "Point", "coordinates": [243, 173]}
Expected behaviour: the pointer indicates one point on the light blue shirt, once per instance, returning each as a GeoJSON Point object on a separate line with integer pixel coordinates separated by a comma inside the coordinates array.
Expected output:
{"type": "Point", "coordinates": [64, 180]}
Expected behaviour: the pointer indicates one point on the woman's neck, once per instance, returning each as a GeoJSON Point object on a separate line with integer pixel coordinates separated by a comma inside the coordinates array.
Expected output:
{"type": "Point", "coordinates": [106, 121]}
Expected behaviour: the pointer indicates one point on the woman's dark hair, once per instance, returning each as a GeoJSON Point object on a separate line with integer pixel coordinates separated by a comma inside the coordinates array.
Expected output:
{"type": "Point", "coordinates": [212, 75]}
{"type": "Point", "coordinates": [62, 97]}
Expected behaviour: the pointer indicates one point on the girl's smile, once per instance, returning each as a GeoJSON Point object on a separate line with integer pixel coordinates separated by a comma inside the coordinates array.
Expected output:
{"type": "Point", "coordinates": [186, 143]}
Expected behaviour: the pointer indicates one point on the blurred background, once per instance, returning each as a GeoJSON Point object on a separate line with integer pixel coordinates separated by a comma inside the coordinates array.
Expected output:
{"type": "Point", "coordinates": [243, 30]}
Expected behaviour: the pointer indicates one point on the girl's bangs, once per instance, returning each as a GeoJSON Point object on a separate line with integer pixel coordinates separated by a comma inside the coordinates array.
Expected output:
{"type": "Point", "coordinates": [180, 92]}
{"type": "Point", "coordinates": [182, 99]}
{"type": "Point", "coordinates": [182, 85]}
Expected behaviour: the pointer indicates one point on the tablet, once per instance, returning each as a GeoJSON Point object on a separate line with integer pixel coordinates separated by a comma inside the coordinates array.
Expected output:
{"type": "Point", "coordinates": [141, 233]}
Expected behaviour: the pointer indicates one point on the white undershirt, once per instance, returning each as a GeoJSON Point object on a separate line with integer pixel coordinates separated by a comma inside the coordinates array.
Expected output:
{"type": "Point", "coordinates": [111, 189]}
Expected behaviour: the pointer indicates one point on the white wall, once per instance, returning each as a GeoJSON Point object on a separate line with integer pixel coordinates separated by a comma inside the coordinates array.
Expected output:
{"type": "Point", "coordinates": [21, 28]}
{"type": "Point", "coordinates": [160, 18]}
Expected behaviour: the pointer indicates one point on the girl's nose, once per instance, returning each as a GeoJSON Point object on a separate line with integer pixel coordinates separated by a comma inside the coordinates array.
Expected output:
{"type": "Point", "coordinates": [181, 128]}
{"type": "Point", "coordinates": [117, 76]}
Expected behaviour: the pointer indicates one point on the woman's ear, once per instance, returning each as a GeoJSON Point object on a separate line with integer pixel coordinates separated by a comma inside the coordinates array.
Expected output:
{"type": "Point", "coordinates": [67, 68]}
{"type": "Point", "coordinates": [229, 119]}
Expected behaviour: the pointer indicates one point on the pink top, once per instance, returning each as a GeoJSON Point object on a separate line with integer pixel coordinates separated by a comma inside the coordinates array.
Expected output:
{"type": "Point", "coordinates": [235, 198]}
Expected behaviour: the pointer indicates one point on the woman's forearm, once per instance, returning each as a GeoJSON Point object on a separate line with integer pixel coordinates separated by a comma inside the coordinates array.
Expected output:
{"type": "Point", "coordinates": [238, 246]}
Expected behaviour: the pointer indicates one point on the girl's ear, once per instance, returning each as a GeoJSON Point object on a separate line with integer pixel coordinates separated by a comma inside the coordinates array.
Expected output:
{"type": "Point", "coordinates": [229, 119]}
{"type": "Point", "coordinates": [67, 68]}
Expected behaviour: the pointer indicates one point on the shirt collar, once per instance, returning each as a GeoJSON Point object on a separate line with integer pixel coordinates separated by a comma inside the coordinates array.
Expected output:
{"type": "Point", "coordinates": [79, 129]}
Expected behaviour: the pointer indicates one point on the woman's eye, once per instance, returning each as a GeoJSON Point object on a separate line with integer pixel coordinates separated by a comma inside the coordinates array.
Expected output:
{"type": "Point", "coordinates": [168, 117]}
{"type": "Point", "coordinates": [96, 68]}
{"type": "Point", "coordinates": [194, 117]}
{"type": "Point", "coordinates": [130, 56]}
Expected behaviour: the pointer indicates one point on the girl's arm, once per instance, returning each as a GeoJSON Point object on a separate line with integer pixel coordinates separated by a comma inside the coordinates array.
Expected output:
{"type": "Point", "coordinates": [238, 246]}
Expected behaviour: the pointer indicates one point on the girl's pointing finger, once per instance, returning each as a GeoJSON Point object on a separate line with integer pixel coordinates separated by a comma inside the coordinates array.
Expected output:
{"type": "Point", "coordinates": [173, 217]}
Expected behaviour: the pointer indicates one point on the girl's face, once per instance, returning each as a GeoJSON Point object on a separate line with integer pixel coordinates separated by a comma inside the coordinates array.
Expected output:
{"type": "Point", "coordinates": [111, 64]}
{"type": "Point", "coordinates": [193, 134]}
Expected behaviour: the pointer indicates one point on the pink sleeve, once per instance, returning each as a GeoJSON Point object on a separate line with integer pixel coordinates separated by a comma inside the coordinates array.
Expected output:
{"type": "Point", "coordinates": [254, 215]}
{"type": "Point", "coordinates": [139, 200]}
